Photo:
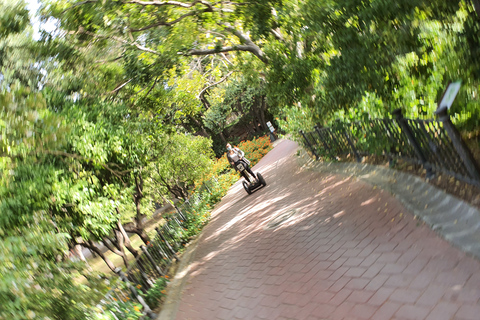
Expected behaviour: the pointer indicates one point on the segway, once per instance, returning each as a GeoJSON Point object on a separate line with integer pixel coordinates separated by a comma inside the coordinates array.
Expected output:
{"type": "Point", "coordinates": [251, 187]}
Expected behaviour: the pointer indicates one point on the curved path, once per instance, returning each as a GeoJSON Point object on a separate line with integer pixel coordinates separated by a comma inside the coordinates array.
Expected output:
{"type": "Point", "coordinates": [317, 245]}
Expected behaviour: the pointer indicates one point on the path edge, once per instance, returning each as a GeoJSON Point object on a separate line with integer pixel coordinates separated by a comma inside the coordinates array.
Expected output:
{"type": "Point", "coordinates": [175, 288]}
{"type": "Point", "coordinates": [453, 219]}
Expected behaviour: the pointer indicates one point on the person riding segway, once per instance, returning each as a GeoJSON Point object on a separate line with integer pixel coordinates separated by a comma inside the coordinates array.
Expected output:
{"type": "Point", "coordinates": [237, 159]}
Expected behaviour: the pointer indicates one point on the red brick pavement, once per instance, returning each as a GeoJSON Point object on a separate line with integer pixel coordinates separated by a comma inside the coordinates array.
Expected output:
{"type": "Point", "coordinates": [347, 251]}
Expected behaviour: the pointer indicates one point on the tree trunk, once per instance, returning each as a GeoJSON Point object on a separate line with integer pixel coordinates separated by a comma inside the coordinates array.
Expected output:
{"type": "Point", "coordinates": [78, 250]}
{"type": "Point", "coordinates": [255, 113]}
{"type": "Point", "coordinates": [108, 243]}
{"type": "Point", "coordinates": [263, 107]}
{"type": "Point", "coordinates": [139, 227]}
{"type": "Point", "coordinates": [176, 190]}
{"type": "Point", "coordinates": [204, 100]}
{"type": "Point", "coordinates": [223, 138]}
{"type": "Point", "coordinates": [145, 238]}
{"type": "Point", "coordinates": [128, 244]}
{"type": "Point", "coordinates": [95, 249]}
{"type": "Point", "coordinates": [131, 228]}
{"type": "Point", "coordinates": [203, 131]}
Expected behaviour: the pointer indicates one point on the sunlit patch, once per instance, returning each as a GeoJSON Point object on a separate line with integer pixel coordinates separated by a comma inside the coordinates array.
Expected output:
{"type": "Point", "coordinates": [210, 255]}
{"type": "Point", "coordinates": [334, 185]}
{"type": "Point", "coordinates": [307, 227]}
{"type": "Point", "coordinates": [243, 214]}
{"type": "Point", "coordinates": [369, 201]}
{"type": "Point", "coordinates": [279, 219]}
{"type": "Point", "coordinates": [339, 214]}
{"type": "Point", "coordinates": [182, 273]}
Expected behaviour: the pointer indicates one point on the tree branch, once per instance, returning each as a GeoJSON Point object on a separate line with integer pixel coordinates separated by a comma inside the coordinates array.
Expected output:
{"type": "Point", "coordinates": [248, 46]}
{"type": "Point", "coordinates": [200, 95]}
{"type": "Point", "coordinates": [79, 4]}
{"type": "Point", "coordinates": [111, 60]}
{"type": "Point", "coordinates": [277, 34]}
{"type": "Point", "coordinates": [120, 86]}
{"type": "Point", "coordinates": [226, 59]}
{"type": "Point", "coordinates": [170, 3]}
{"type": "Point", "coordinates": [168, 24]}
{"type": "Point", "coordinates": [81, 30]}
{"type": "Point", "coordinates": [253, 49]}
{"type": "Point", "coordinates": [151, 88]}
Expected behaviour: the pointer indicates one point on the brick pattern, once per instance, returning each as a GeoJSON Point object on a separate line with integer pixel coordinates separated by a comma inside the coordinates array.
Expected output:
{"type": "Point", "coordinates": [351, 251]}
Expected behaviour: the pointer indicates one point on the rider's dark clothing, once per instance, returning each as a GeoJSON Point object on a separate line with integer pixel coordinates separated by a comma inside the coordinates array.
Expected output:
{"type": "Point", "coordinates": [238, 156]}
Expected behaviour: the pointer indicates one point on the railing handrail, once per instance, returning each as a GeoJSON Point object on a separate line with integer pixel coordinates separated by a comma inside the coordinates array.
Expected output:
{"type": "Point", "coordinates": [129, 279]}
{"type": "Point", "coordinates": [434, 143]}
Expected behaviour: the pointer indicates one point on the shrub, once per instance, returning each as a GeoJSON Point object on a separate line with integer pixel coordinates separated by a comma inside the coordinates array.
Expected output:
{"type": "Point", "coordinates": [255, 149]}
{"type": "Point", "coordinates": [157, 292]}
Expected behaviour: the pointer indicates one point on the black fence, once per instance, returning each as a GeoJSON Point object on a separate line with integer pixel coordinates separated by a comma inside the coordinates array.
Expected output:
{"type": "Point", "coordinates": [152, 263]}
{"type": "Point", "coordinates": [434, 144]}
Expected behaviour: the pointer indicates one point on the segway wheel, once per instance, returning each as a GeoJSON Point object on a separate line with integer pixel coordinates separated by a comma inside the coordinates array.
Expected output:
{"type": "Point", "coordinates": [260, 178]}
{"type": "Point", "coordinates": [246, 187]}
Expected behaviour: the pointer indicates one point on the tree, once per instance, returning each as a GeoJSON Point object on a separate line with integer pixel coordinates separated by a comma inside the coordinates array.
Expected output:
{"type": "Point", "coordinates": [35, 278]}
{"type": "Point", "coordinates": [185, 159]}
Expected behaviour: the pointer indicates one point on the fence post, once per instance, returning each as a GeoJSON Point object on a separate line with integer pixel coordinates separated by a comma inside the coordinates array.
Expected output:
{"type": "Point", "coordinates": [166, 243]}
{"type": "Point", "coordinates": [150, 258]}
{"type": "Point", "coordinates": [135, 294]}
{"type": "Point", "coordinates": [180, 213]}
{"type": "Point", "coordinates": [317, 130]}
{"type": "Point", "coordinates": [459, 144]}
{"type": "Point", "coordinates": [411, 138]}
{"type": "Point", "coordinates": [143, 274]}
{"type": "Point", "coordinates": [350, 143]}
{"type": "Point", "coordinates": [309, 144]}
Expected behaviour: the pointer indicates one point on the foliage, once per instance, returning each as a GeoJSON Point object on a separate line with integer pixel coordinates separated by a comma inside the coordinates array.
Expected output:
{"type": "Point", "coordinates": [182, 160]}
{"type": "Point", "coordinates": [156, 292]}
{"type": "Point", "coordinates": [296, 118]}
{"type": "Point", "coordinates": [197, 213]}
{"type": "Point", "coordinates": [127, 88]}
{"type": "Point", "coordinates": [35, 281]}
{"type": "Point", "coordinates": [374, 57]}
{"type": "Point", "coordinates": [125, 309]}
{"type": "Point", "coordinates": [216, 117]}
{"type": "Point", "coordinates": [255, 149]}
{"type": "Point", "coordinates": [14, 17]}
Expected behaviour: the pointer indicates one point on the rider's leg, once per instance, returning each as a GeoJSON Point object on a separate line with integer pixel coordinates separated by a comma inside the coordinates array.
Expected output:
{"type": "Point", "coordinates": [251, 172]}
{"type": "Point", "coordinates": [245, 175]}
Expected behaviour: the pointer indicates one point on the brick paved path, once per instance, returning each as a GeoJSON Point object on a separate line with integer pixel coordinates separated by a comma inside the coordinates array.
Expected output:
{"type": "Point", "coordinates": [318, 246]}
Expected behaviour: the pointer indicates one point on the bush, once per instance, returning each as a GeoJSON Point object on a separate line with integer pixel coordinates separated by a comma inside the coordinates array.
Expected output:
{"type": "Point", "coordinates": [157, 292]}
{"type": "Point", "coordinates": [255, 149]}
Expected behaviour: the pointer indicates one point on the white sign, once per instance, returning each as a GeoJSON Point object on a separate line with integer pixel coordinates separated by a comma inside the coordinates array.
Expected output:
{"type": "Point", "coordinates": [269, 125]}
{"type": "Point", "coordinates": [449, 95]}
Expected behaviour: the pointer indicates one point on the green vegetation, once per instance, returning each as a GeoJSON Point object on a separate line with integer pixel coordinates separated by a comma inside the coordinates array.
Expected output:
{"type": "Point", "coordinates": [126, 105]}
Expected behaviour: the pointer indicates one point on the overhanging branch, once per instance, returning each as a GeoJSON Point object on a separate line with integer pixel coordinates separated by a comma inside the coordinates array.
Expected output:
{"type": "Point", "coordinates": [253, 49]}
{"type": "Point", "coordinates": [200, 95]}
{"type": "Point", "coordinates": [81, 30]}
{"type": "Point", "coordinates": [79, 4]}
{"type": "Point", "coordinates": [163, 23]}
{"type": "Point", "coordinates": [170, 3]}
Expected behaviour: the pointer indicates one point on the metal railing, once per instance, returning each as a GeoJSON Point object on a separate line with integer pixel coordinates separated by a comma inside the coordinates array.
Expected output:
{"type": "Point", "coordinates": [152, 263]}
{"type": "Point", "coordinates": [434, 144]}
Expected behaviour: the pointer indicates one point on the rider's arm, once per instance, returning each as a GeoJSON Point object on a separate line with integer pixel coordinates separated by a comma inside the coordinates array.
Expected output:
{"type": "Point", "coordinates": [240, 152]}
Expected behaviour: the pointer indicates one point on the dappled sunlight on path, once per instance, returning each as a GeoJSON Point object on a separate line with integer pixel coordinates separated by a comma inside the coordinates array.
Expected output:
{"type": "Point", "coordinates": [314, 245]}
